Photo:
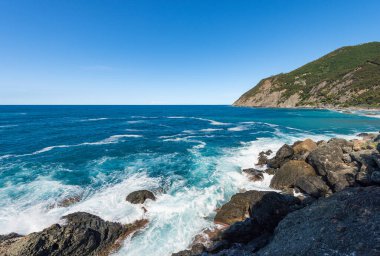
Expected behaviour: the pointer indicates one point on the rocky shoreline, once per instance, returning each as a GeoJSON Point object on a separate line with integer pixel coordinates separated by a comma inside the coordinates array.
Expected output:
{"type": "Point", "coordinates": [327, 202]}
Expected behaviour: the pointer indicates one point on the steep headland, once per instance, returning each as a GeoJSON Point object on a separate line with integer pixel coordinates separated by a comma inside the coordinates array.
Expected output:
{"type": "Point", "coordinates": [346, 77]}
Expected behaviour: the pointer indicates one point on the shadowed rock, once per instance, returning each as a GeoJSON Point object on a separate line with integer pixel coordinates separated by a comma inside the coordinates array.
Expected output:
{"type": "Point", "coordinates": [347, 223]}
{"type": "Point", "coordinates": [312, 185]}
{"type": "Point", "coordinates": [282, 155]}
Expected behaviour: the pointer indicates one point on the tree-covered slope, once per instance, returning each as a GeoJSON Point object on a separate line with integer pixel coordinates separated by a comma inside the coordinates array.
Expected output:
{"type": "Point", "coordinates": [346, 77]}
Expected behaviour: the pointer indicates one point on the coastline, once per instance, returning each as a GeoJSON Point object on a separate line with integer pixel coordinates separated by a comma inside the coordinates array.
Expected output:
{"type": "Point", "coordinates": [222, 239]}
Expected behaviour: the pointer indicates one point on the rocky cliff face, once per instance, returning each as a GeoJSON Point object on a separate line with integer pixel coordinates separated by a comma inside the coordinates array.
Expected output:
{"type": "Point", "coordinates": [347, 77]}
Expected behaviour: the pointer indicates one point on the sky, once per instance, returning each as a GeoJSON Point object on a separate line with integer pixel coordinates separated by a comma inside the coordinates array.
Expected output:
{"type": "Point", "coordinates": [166, 51]}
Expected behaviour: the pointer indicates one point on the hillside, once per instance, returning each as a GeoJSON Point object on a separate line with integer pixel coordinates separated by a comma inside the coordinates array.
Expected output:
{"type": "Point", "coordinates": [346, 77]}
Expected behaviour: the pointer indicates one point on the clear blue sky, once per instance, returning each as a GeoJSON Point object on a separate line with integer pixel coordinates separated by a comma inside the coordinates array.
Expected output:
{"type": "Point", "coordinates": [165, 52]}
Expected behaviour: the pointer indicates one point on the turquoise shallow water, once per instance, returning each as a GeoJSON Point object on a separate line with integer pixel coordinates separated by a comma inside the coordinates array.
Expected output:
{"type": "Point", "coordinates": [191, 156]}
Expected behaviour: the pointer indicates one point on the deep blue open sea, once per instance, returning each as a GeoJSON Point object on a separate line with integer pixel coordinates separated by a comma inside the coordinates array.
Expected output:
{"type": "Point", "coordinates": [190, 156]}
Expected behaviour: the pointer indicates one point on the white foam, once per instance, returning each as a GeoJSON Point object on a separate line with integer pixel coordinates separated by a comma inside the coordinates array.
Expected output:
{"type": "Point", "coordinates": [136, 122]}
{"type": "Point", "coordinates": [8, 126]}
{"type": "Point", "coordinates": [238, 128]}
{"type": "Point", "coordinates": [24, 215]}
{"type": "Point", "coordinates": [212, 122]}
{"type": "Point", "coordinates": [94, 119]}
{"type": "Point", "coordinates": [110, 140]}
{"type": "Point", "coordinates": [210, 130]}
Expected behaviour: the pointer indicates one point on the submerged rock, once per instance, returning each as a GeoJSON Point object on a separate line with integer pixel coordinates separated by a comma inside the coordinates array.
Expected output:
{"type": "Point", "coordinates": [289, 172]}
{"type": "Point", "coordinates": [237, 208]}
{"type": "Point", "coordinates": [347, 223]}
{"type": "Point", "coordinates": [263, 157]}
{"type": "Point", "coordinates": [139, 197]}
{"type": "Point", "coordinates": [254, 174]}
{"type": "Point", "coordinates": [82, 234]}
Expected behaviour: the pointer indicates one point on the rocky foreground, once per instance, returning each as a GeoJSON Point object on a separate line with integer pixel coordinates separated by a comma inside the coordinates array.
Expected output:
{"type": "Point", "coordinates": [327, 203]}
{"type": "Point", "coordinates": [81, 234]}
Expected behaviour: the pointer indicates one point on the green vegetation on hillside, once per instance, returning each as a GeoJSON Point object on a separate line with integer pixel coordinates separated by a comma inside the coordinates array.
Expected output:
{"type": "Point", "coordinates": [353, 70]}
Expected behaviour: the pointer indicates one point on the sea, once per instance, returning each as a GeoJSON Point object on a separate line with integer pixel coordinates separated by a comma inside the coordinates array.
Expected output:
{"type": "Point", "coordinates": [191, 157]}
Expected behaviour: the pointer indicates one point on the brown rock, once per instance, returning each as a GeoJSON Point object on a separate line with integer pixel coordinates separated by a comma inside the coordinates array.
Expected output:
{"type": "Point", "coordinates": [289, 172]}
{"type": "Point", "coordinates": [304, 148]}
{"type": "Point", "coordinates": [237, 208]}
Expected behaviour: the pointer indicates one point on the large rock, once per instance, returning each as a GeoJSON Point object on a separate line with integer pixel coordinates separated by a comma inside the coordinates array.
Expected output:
{"type": "Point", "coordinates": [312, 185]}
{"type": "Point", "coordinates": [282, 155]}
{"type": "Point", "coordinates": [264, 217]}
{"type": "Point", "coordinates": [139, 197]}
{"type": "Point", "coordinates": [289, 172]}
{"type": "Point", "coordinates": [303, 148]}
{"type": "Point", "coordinates": [368, 162]}
{"type": "Point", "coordinates": [82, 234]}
{"type": "Point", "coordinates": [237, 208]}
{"type": "Point", "coordinates": [347, 223]}
{"type": "Point", "coordinates": [272, 208]}
{"type": "Point", "coordinates": [342, 143]}
{"type": "Point", "coordinates": [342, 178]}
{"type": "Point", "coordinates": [327, 157]}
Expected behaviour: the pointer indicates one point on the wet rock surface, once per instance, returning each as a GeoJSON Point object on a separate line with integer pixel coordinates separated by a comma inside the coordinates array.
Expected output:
{"type": "Point", "coordinates": [139, 197]}
{"type": "Point", "coordinates": [82, 234]}
{"type": "Point", "coordinates": [254, 174]}
{"type": "Point", "coordinates": [237, 209]}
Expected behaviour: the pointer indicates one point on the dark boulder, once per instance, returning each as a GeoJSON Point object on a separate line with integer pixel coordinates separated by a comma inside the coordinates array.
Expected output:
{"type": "Point", "coordinates": [312, 185]}
{"type": "Point", "coordinates": [264, 217]}
{"type": "Point", "coordinates": [347, 223]}
{"type": "Point", "coordinates": [376, 159]}
{"type": "Point", "coordinates": [342, 178]}
{"type": "Point", "coordinates": [139, 197]}
{"type": "Point", "coordinates": [289, 172]}
{"type": "Point", "coordinates": [237, 208]}
{"type": "Point", "coordinates": [282, 155]}
{"type": "Point", "coordinates": [272, 208]}
{"type": "Point", "coordinates": [375, 177]}
{"type": "Point", "coordinates": [254, 174]}
{"type": "Point", "coordinates": [82, 234]}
